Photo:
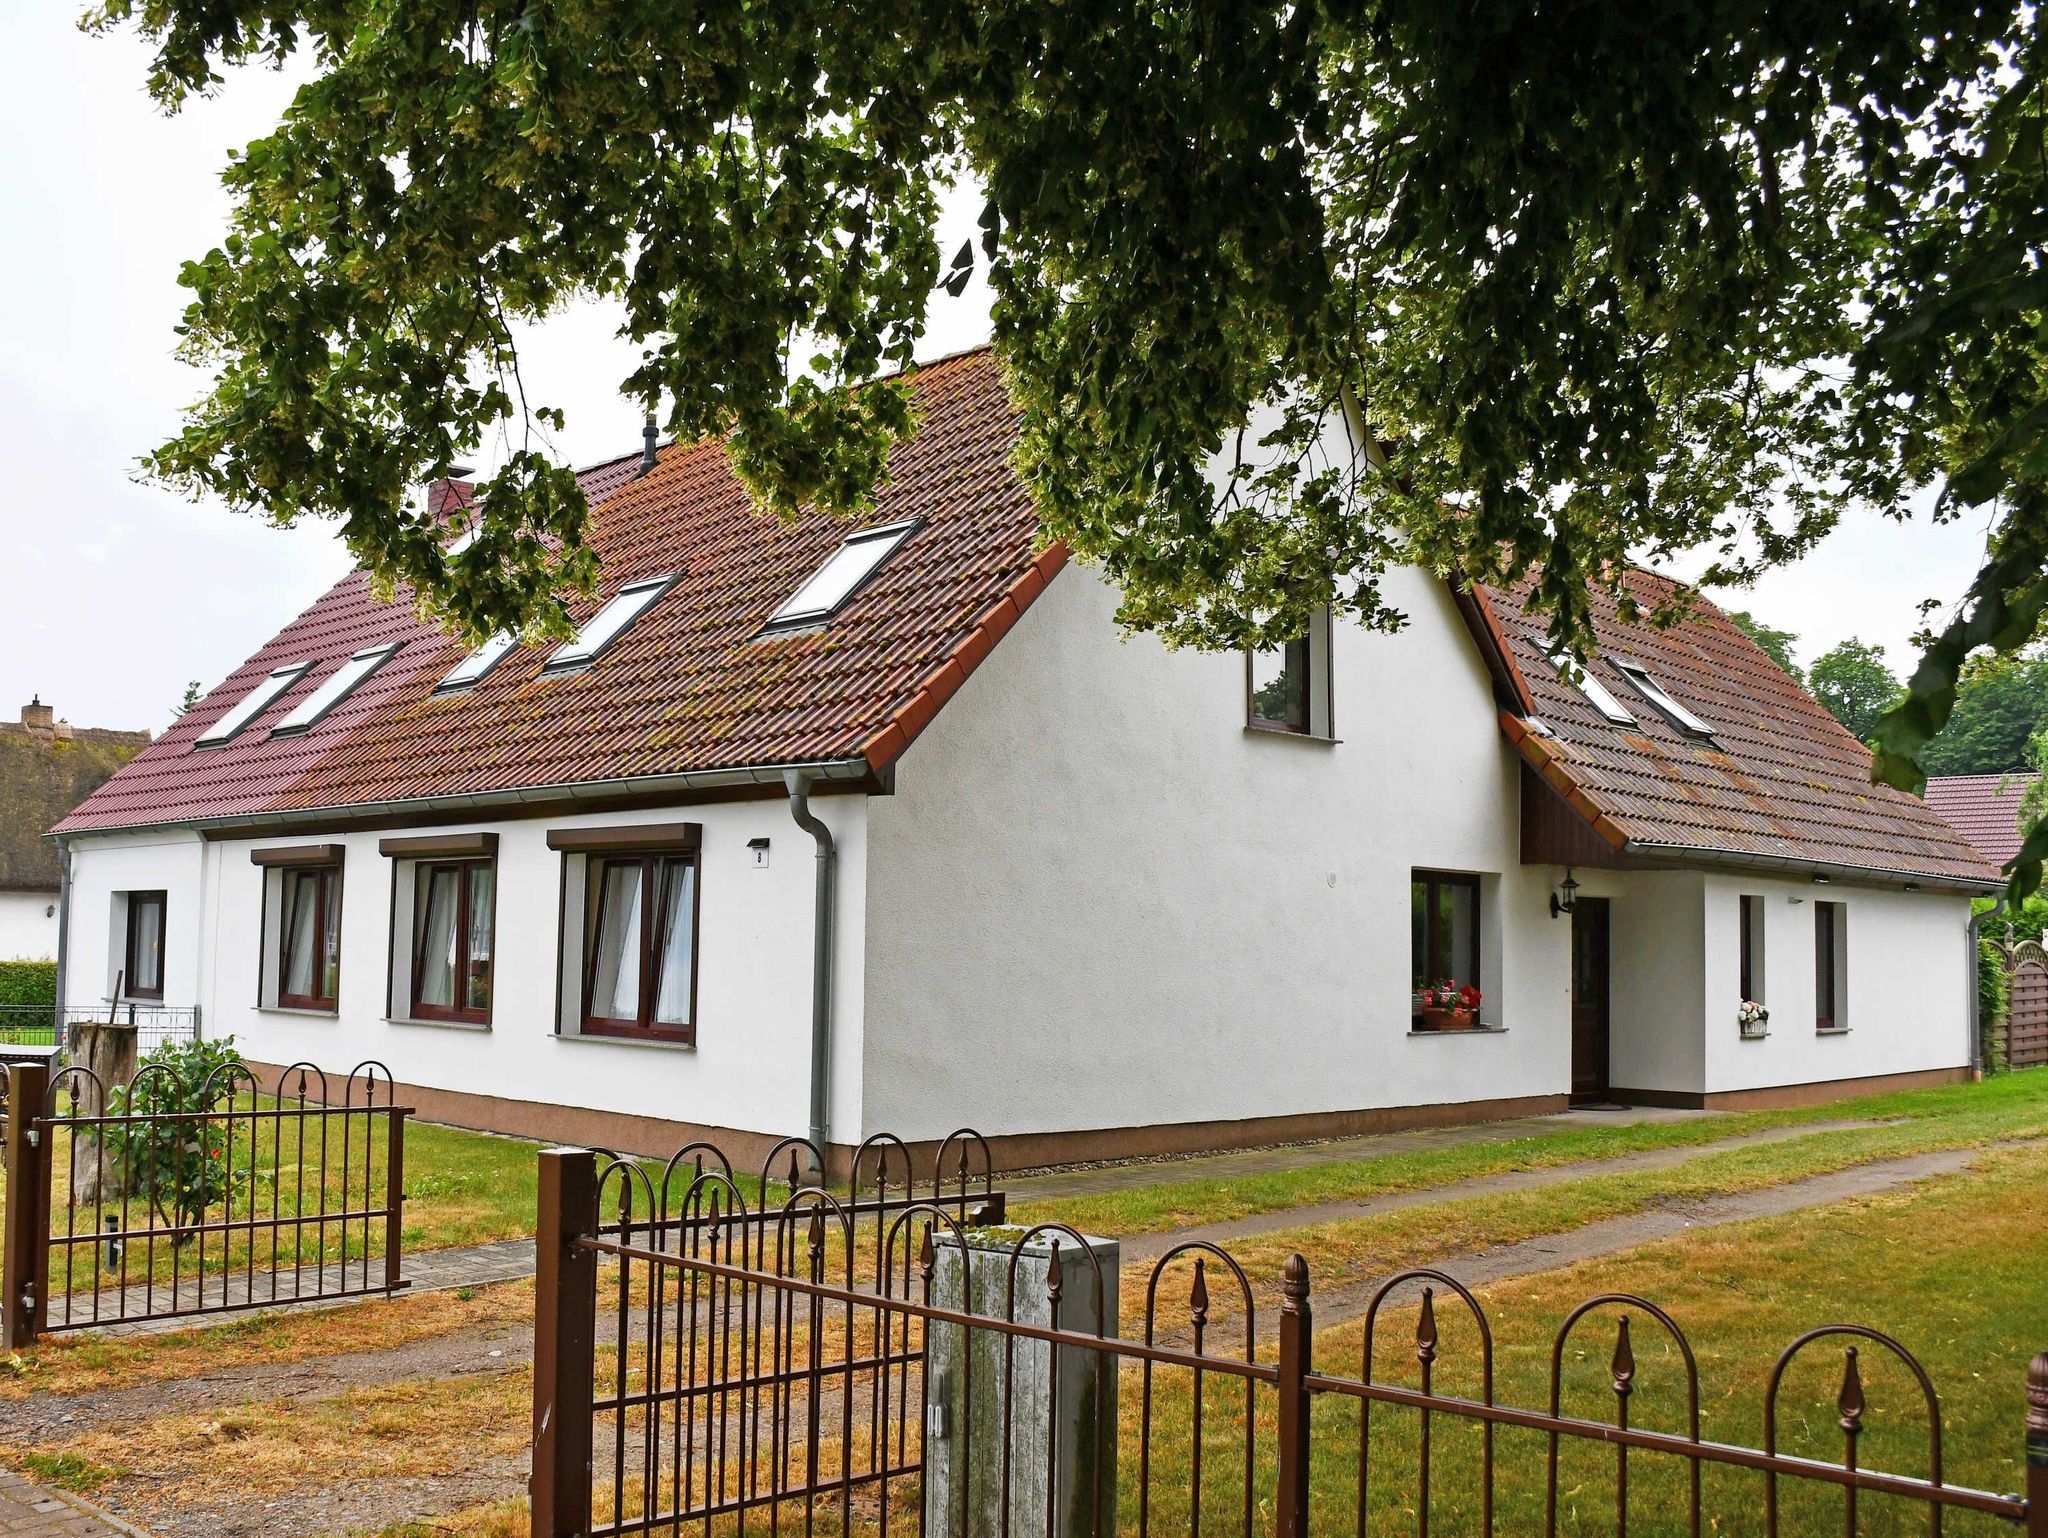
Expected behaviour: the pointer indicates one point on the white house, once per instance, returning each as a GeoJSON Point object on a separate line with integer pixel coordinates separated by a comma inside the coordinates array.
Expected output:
{"type": "Point", "coordinates": [1085, 894]}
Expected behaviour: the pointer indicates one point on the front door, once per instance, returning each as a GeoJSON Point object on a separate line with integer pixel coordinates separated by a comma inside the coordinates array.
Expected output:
{"type": "Point", "coordinates": [1589, 998]}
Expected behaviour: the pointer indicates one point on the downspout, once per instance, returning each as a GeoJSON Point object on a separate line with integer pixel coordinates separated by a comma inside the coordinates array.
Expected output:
{"type": "Point", "coordinates": [1976, 961]}
{"type": "Point", "coordinates": [821, 957]}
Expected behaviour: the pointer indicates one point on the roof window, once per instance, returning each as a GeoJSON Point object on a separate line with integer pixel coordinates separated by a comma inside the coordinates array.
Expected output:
{"type": "Point", "coordinates": [339, 685]}
{"type": "Point", "coordinates": [253, 704]}
{"type": "Point", "coordinates": [1581, 678]}
{"type": "Point", "coordinates": [471, 669]}
{"type": "Point", "coordinates": [608, 624]}
{"type": "Point", "coordinates": [858, 558]}
{"type": "Point", "coordinates": [1668, 707]}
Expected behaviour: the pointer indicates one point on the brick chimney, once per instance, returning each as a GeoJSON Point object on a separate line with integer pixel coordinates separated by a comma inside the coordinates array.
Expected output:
{"type": "Point", "coordinates": [37, 716]}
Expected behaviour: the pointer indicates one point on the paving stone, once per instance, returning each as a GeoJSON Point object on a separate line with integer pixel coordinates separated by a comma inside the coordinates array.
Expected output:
{"type": "Point", "coordinates": [27, 1511]}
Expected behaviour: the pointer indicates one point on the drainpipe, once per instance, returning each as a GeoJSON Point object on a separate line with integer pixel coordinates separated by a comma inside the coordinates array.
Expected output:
{"type": "Point", "coordinates": [1976, 1024]}
{"type": "Point", "coordinates": [821, 957]}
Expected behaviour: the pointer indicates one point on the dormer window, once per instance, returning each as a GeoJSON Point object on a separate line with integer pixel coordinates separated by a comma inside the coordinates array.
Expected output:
{"type": "Point", "coordinates": [338, 687]}
{"type": "Point", "coordinates": [467, 673]}
{"type": "Point", "coordinates": [253, 704]}
{"type": "Point", "coordinates": [1581, 678]}
{"type": "Point", "coordinates": [1667, 707]}
{"type": "Point", "coordinates": [844, 573]}
{"type": "Point", "coordinates": [608, 624]}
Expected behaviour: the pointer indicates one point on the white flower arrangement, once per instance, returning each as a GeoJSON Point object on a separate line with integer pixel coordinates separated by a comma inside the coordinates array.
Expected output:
{"type": "Point", "coordinates": [1753, 1018]}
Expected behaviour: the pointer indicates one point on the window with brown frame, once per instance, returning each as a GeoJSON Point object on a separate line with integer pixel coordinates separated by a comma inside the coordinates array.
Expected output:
{"type": "Point", "coordinates": [309, 949]}
{"type": "Point", "coordinates": [143, 966]}
{"type": "Point", "coordinates": [454, 921]}
{"type": "Point", "coordinates": [1750, 924]}
{"type": "Point", "coordinates": [640, 945]}
{"type": "Point", "coordinates": [1443, 910]}
{"type": "Point", "coordinates": [1827, 967]}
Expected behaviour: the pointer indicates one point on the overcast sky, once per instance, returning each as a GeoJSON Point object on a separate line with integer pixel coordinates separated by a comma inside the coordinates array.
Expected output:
{"type": "Point", "coordinates": [120, 592]}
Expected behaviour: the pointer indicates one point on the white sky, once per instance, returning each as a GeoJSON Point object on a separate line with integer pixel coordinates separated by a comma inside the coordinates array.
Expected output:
{"type": "Point", "coordinates": [120, 592]}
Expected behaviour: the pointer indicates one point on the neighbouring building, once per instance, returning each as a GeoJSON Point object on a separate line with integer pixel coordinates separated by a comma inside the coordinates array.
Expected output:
{"type": "Point", "coordinates": [47, 767]}
{"type": "Point", "coordinates": [1984, 808]}
{"type": "Point", "coordinates": [1089, 895]}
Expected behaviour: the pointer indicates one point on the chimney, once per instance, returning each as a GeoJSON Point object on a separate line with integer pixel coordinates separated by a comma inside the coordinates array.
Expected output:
{"type": "Point", "coordinates": [450, 494]}
{"type": "Point", "coordinates": [37, 716]}
{"type": "Point", "coordinates": [651, 435]}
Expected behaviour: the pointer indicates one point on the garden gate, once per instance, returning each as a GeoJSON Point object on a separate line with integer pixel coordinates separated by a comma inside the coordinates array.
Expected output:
{"type": "Point", "coordinates": [2026, 1025]}
{"type": "Point", "coordinates": [162, 1198]}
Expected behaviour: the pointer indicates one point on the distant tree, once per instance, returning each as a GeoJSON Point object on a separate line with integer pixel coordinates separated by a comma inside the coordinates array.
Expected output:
{"type": "Point", "coordinates": [2001, 704]}
{"type": "Point", "coordinates": [1777, 644]}
{"type": "Point", "coordinates": [190, 699]}
{"type": "Point", "coordinates": [1851, 679]}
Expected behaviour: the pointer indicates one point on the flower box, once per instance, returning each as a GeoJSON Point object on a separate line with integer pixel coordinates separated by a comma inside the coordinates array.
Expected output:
{"type": "Point", "coordinates": [1447, 1020]}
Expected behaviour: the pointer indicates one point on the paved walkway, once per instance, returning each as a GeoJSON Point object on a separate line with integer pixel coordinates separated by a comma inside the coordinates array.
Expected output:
{"type": "Point", "coordinates": [29, 1512]}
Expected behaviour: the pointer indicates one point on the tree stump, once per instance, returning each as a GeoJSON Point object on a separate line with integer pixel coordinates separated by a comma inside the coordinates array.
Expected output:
{"type": "Point", "coordinates": [108, 1050]}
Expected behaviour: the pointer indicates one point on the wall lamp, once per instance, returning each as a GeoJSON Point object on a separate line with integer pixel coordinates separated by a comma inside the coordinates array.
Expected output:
{"type": "Point", "coordinates": [1567, 893]}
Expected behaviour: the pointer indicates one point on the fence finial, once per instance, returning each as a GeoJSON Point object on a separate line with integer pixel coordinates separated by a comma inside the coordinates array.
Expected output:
{"type": "Point", "coordinates": [1293, 1281]}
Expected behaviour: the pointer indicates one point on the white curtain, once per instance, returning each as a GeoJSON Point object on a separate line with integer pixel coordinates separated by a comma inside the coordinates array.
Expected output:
{"type": "Point", "coordinates": [672, 995]}
{"type": "Point", "coordinates": [481, 888]}
{"type": "Point", "coordinates": [299, 954]}
{"type": "Point", "coordinates": [438, 961]}
{"type": "Point", "coordinates": [615, 960]}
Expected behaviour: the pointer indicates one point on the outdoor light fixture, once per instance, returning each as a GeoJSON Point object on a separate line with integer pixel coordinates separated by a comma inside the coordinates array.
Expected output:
{"type": "Point", "coordinates": [1821, 878]}
{"type": "Point", "coordinates": [1912, 886]}
{"type": "Point", "coordinates": [1562, 899]}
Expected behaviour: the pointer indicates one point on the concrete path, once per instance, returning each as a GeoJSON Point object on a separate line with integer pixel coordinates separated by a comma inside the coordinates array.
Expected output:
{"type": "Point", "coordinates": [1097, 1179]}
{"type": "Point", "coordinates": [1339, 1300]}
{"type": "Point", "coordinates": [27, 1511]}
{"type": "Point", "coordinates": [1152, 1246]}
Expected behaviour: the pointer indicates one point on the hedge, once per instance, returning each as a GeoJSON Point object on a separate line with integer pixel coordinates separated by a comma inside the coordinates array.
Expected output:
{"type": "Point", "coordinates": [28, 983]}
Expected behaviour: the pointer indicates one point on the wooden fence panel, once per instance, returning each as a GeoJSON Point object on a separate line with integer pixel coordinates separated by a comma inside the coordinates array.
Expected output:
{"type": "Point", "coordinates": [2026, 1032]}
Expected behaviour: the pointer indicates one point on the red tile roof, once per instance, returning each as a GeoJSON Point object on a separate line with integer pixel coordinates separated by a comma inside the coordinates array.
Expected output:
{"type": "Point", "coordinates": [1984, 808]}
{"type": "Point", "coordinates": [689, 689]}
{"type": "Point", "coordinates": [1780, 783]}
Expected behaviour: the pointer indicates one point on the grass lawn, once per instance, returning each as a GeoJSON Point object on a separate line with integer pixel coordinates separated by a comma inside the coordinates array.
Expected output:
{"type": "Point", "coordinates": [1168, 1205]}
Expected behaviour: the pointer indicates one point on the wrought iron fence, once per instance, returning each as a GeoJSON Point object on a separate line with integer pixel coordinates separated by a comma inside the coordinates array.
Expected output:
{"type": "Point", "coordinates": [711, 1363]}
{"type": "Point", "coordinates": [47, 1025]}
{"type": "Point", "coordinates": [162, 1198]}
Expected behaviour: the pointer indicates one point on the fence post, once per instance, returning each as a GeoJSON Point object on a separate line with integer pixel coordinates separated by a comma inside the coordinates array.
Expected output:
{"type": "Point", "coordinates": [394, 1197]}
{"type": "Point", "coordinates": [564, 1343]}
{"type": "Point", "coordinates": [1297, 1338]}
{"type": "Point", "coordinates": [2037, 1447]}
{"type": "Point", "coordinates": [24, 1251]}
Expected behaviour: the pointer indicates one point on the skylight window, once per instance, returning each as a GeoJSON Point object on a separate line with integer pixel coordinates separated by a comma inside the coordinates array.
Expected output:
{"type": "Point", "coordinates": [829, 587]}
{"type": "Point", "coordinates": [1581, 678]}
{"type": "Point", "coordinates": [466, 673]}
{"type": "Point", "coordinates": [1668, 707]}
{"type": "Point", "coordinates": [339, 685]}
{"type": "Point", "coordinates": [608, 624]}
{"type": "Point", "coordinates": [253, 704]}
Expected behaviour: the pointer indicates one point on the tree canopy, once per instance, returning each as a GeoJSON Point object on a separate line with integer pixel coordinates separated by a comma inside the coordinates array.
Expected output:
{"type": "Point", "coordinates": [2001, 703]}
{"type": "Point", "coordinates": [1698, 279]}
{"type": "Point", "coordinates": [1852, 680]}
{"type": "Point", "coordinates": [1774, 643]}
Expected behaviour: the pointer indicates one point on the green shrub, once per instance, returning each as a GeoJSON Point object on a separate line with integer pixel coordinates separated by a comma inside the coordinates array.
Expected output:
{"type": "Point", "coordinates": [181, 1168]}
{"type": "Point", "coordinates": [1991, 1001]}
{"type": "Point", "coordinates": [28, 983]}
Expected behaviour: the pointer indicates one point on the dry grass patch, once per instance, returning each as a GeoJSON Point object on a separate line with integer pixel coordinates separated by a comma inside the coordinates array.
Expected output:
{"type": "Point", "coordinates": [408, 1430]}
{"type": "Point", "coordinates": [82, 1364]}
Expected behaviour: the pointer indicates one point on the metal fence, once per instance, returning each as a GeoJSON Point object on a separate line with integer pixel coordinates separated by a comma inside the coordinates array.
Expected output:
{"type": "Point", "coordinates": [48, 1025]}
{"type": "Point", "coordinates": [712, 1364]}
{"type": "Point", "coordinates": [163, 1198]}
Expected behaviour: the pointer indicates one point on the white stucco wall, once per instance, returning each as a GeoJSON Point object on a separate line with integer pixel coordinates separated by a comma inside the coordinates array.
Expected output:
{"type": "Point", "coordinates": [104, 870]}
{"type": "Point", "coordinates": [749, 1069]}
{"type": "Point", "coordinates": [1656, 977]}
{"type": "Point", "coordinates": [1905, 984]}
{"type": "Point", "coordinates": [28, 926]}
{"type": "Point", "coordinates": [1096, 900]}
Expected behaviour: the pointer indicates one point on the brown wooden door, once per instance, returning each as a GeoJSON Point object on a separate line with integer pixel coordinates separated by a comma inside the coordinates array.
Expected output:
{"type": "Point", "coordinates": [1589, 998]}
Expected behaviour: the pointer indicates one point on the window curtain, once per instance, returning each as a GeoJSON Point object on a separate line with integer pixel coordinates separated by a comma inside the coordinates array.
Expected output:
{"type": "Point", "coordinates": [615, 962]}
